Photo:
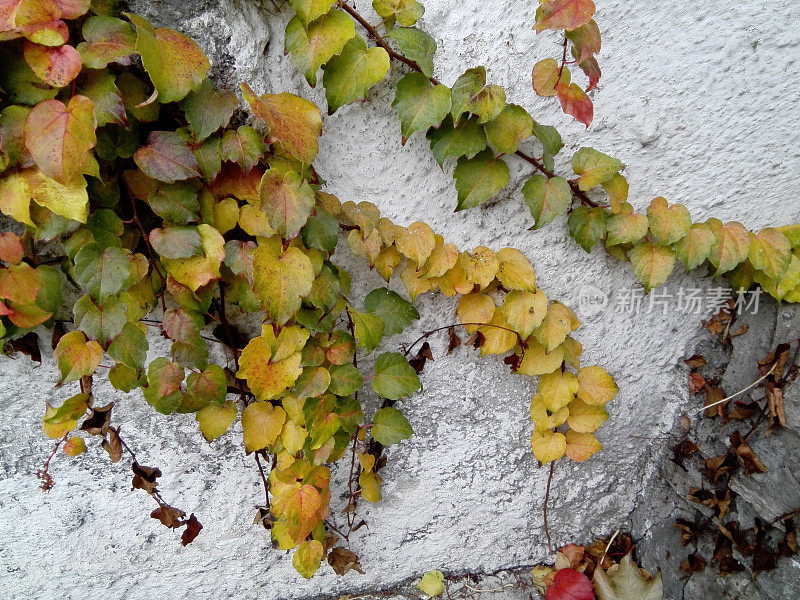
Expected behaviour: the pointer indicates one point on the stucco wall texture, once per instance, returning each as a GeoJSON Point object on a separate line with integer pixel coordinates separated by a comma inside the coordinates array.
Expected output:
{"type": "Point", "coordinates": [699, 99]}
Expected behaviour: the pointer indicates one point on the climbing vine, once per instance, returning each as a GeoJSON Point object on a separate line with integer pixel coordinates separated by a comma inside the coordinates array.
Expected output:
{"type": "Point", "coordinates": [140, 197]}
{"type": "Point", "coordinates": [472, 123]}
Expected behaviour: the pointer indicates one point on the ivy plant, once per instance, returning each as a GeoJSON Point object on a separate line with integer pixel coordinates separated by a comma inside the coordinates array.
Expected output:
{"type": "Point", "coordinates": [159, 205]}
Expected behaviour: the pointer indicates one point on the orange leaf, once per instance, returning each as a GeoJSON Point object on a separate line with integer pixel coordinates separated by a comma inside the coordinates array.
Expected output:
{"type": "Point", "coordinates": [563, 14]}
{"type": "Point", "coordinates": [575, 102]}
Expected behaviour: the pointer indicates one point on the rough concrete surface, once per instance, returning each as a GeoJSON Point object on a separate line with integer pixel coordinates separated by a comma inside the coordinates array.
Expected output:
{"type": "Point", "coordinates": [698, 99]}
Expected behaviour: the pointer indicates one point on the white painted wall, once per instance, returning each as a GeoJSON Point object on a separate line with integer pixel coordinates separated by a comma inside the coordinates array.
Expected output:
{"type": "Point", "coordinates": [699, 99]}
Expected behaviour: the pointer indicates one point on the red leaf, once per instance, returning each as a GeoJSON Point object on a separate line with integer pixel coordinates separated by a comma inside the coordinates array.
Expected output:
{"type": "Point", "coordinates": [592, 70]}
{"type": "Point", "coordinates": [569, 584]}
{"type": "Point", "coordinates": [166, 157]}
{"type": "Point", "coordinates": [563, 14]}
{"type": "Point", "coordinates": [575, 102]}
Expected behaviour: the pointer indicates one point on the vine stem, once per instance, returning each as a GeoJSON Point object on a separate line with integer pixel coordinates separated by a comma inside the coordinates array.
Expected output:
{"type": "Point", "coordinates": [378, 39]}
{"type": "Point", "coordinates": [544, 506]}
{"type": "Point", "coordinates": [47, 480]}
{"type": "Point", "coordinates": [429, 333]}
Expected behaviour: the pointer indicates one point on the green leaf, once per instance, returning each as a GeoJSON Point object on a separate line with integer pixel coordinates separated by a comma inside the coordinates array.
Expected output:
{"type": "Point", "coordinates": [124, 378]}
{"type": "Point", "coordinates": [396, 312]}
{"type": "Point", "coordinates": [348, 76]}
{"type": "Point", "coordinates": [294, 122]}
{"type": "Point", "coordinates": [59, 137]}
{"type": "Point", "coordinates": [416, 45]}
{"type": "Point", "coordinates": [208, 109]}
{"type": "Point", "coordinates": [394, 377]}
{"type": "Point", "coordinates": [479, 178]}
{"type": "Point", "coordinates": [594, 167]}
{"type": "Point", "coordinates": [167, 157]}
{"type": "Point", "coordinates": [346, 379]}
{"type": "Point", "coordinates": [108, 39]}
{"type": "Point", "coordinates": [76, 356]}
{"type": "Point", "coordinates": [551, 142]}
{"type": "Point", "coordinates": [389, 426]}
{"type": "Point", "coordinates": [313, 47]}
{"type": "Point", "coordinates": [419, 104]}
{"type": "Point", "coordinates": [163, 391]}
{"type": "Point", "coordinates": [695, 247]}
{"type": "Point", "coordinates": [134, 94]}
{"type": "Point", "coordinates": [130, 346]}
{"type": "Point", "coordinates": [101, 88]}
{"type": "Point", "coordinates": [651, 264]}
{"type": "Point", "coordinates": [100, 322]}
{"type": "Point", "coordinates": [101, 272]}
{"type": "Point", "coordinates": [509, 128]}
{"type": "Point", "coordinates": [321, 231]}
{"type": "Point", "coordinates": [313, 381]}
{"type": "Point", "coordinates": [668, 223]}
{"type": "Point", "coordinates": [546, 198]}
{"type": "Point", "coordinates": [177, 241]}
{"type": "Point", "coordinates": [176, 64]}
{"type": "Point", "coordinates": [771, 252]}
{"type": "Point", "coordinates": [287, 201]}
{"type": "Point", "coordinates": [368, 329]}
{"type": "Point", "coordinates": [405, 12]}
{"type": "Point", "coordinates": [466, 86]}
{"type": "Point", "coordinates": [467, 139]}
{"type": "Point", "coordinates": [432, 583]}
{"type": "Point", "coordinates": [587, 226]}
{"type": "Point", "coordinates": [309, 10]}
{"type": "Point", "coordinates": [245, 147]}
{"type": "Point", "coordinates": [208, 386]}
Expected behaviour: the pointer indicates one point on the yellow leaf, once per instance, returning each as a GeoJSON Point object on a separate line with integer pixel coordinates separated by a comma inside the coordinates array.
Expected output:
{"type": "Point", "coordinates": [69, 201]}
{"type": "Point", "coordinates": [595, 386]}
{"type": "Point", "coordinates": [497, 340]}
{"type": "Point", "coordinates": [416, 243]}
{"type": "Point", "coordinates": [524, 311]}
{"type": "Point", "coordinates": [443, 258]}
{"type": "Point", "coordinates": [370, 483]}
{"type": "Point", "coordinates": [557, 324]}
{"type": "Point", "coordinates": [580, 446]}
{"type": "Point", "coordinates": [367, 461]}
{"type": "Point", "coordinates": [515, 271]}
{"type": "Point", "coordinates": [480, 266]}
{"type": "Point", "coordinates": [387, 261]}
{"type": "Point", "coordinates": [254, 222]}
{"type": "Point", "coordinates": [281, 279]}
{"type": "Point", "coordinates": [293, 436]}
{"type": "Point", "coordinates": [557, 389]}
{"type": "Point", "coordinates": [262, 424]}
{"type": "Point", "coordinates": [226, 214]}
{"type": "Point", "coordinates": [215, 419]}
{"type": "Point", "coordinates": [572, 351]}
{"type": "Point", "coordinates": [369, 247]}
{"type": "Point", "coordinates": [585, 418]}
{"type": "Point", "coordinates": [15, 200]}
{"type": "Point", "coordinates": [77, 357]}
{"type": "Point", "coordinates": [307, 558]}
{"type": "Point", "coordinates": [537, 361]}
{"type": "Point", "coordinates": [475, 308]}
{"type": "Point", "coordinates": [455, 282]}
{"type": "Point", "coordinates": [548, 446]}
{"type": "Point", "coordinates": [290, 340]}
{"type": "Point", "coordinates": [415, 285]}
{"type": "Point", "coordinates": [267, 380]}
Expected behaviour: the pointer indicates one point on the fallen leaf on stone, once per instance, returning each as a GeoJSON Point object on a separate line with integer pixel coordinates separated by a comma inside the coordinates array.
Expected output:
{"type": "Point", "coordinates": [693, 564]}
{"type": "Point", "coordinates": [747, 458]}
{"type": "Point", "coordinates": [695, 361]}
{"type": "Point", "coordinates": [696, 382]}
{"type": "Point", "coordinates": [683, 450]}
{"type": "Point", "coordinates": [432, 583]}
{"type": "Point", "coordinates": [626, 581]}
{"type": "Point", "coordinates": [569, 584]}
{"type": "Point", "coordinates": [741, 331]}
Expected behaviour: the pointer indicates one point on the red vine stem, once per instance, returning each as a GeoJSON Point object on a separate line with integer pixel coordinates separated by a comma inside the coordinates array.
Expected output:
{"type": "Point", "coordinates": [378, 39]}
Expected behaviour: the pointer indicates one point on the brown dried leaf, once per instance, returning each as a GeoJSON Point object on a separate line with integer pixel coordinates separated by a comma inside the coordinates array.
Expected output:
{"type": "Point", "coordinates": [777, 412]}
{"type": "Point", "coordinates": [693, 564]}
{"type": "Point", "coordinates": [741, 331]}
{"type": "Point", "coordinates": [28, 344]}
{"type": "Point", "coordinates": [696, 382]}
{"type": "Point", "coordinates": [169, 516]}
{"type": "Point", "coordinates": [747, 458]}
{"type": "Point", "coordinates": [113, 445]}
{"type": "Point", "coordinates": [144, 478]}
{"type": "Point", "coordinates": [343, 560]}
{"type": "Point", "coordinates": [695, 361]}
{"type": "Point", "coordinates": [453, 341]}
{"type": "Point", "coordinates": [98, 422]}
{"type": "Point", "coordinates": [683, 450]}
{"type": "Point", "coordinates": [193, 527]}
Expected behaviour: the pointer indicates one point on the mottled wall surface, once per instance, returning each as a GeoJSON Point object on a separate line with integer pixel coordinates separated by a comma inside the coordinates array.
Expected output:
{"type": "Point", "coordinates": [699, 99]}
